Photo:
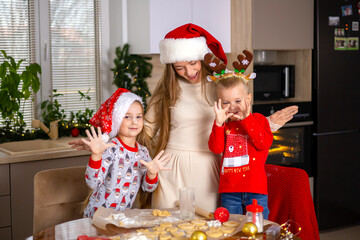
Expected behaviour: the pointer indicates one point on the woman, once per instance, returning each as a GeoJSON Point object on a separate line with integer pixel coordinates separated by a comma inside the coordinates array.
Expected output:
{"type": "Point", "coordinates": [180, 116]}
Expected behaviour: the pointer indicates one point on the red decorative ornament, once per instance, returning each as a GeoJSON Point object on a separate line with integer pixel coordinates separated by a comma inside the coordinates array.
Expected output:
{"type": "Point", "coordinates": [75, 132]}
{"type": "Point", "coordinates": [221, 214]}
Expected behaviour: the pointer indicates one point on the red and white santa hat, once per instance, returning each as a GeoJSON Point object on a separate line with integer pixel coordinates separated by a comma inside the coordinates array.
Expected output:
{"type": "Point", "coordinates": [112, 112]}
{"type": "Point", "coordinates": [189, 42]}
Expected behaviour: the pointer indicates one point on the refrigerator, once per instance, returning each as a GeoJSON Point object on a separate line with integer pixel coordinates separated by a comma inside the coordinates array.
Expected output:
{"type": "Point", "coordinates": [336, 102]}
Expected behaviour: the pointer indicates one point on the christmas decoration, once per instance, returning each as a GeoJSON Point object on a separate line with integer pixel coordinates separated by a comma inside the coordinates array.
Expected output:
{"type": "Point", "coordinates": [220, 72]}
{"type": "Point", "coordinates": [221, 214]}
{"type": "Point", "coordinates": [74, 132]}
{"type": "Point", "coordinates": [289, 230]}
{"type": "Point", "coordinates": [249, 229]}
{"type": "Point", "coordinates": [198, 235]}
{"type": "Point", "coordinates": [189, 42]}
{"type": "Point", "coordinates": [130, 72]}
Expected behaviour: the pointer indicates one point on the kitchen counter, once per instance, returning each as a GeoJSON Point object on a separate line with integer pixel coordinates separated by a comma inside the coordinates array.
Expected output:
{"type": "Point", "coordinates": [64, 150]}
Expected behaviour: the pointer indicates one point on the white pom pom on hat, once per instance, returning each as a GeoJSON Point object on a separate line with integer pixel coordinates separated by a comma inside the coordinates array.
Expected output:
{"type": "Point", "coordinates": [111, 113]}
{"type": "Point", "coordinates": [189, 42]}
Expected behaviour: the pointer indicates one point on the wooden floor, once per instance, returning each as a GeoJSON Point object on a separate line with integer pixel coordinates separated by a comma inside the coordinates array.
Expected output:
{"type": "Point", "coordinates": [341, 234]}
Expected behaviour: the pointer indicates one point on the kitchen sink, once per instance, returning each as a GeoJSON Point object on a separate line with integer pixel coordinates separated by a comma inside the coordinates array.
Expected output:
{"type": "Point", "coordinates": [33, 146]}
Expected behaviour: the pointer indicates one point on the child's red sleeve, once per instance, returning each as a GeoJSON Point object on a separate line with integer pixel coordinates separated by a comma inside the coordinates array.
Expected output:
{"type": "Point", "coordinates": [258, 129]}
{"type": "Point", "coordinates": [94, 164]}
{"type": "Point", "coordinates": [151, 181]}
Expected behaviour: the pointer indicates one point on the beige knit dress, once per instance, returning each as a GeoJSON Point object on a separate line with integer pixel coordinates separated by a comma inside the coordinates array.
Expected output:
{"type": "Point", "coordinates": [192, 164]}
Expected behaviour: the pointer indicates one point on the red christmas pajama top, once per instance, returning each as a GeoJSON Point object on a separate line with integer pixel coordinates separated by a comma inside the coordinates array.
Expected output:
{"type": "Point", "coordinates": [116, 178]}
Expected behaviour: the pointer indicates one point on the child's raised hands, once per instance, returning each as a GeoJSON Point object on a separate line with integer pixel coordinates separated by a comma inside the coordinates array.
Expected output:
{"type": "Point", "coordinates": [245, 109]}
{"type": "Point", "coordinates": [96, 143]}
{"type": "Point", "coordinates": [157, 164]}
{"type": "Point", "coordinates": [221, 114]}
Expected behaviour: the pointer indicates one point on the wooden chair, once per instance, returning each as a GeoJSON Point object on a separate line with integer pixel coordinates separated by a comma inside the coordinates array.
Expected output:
{"type": "Point", "coordinates": [58, 196]}
{"type": "Point", "coordinates": [289, 198]}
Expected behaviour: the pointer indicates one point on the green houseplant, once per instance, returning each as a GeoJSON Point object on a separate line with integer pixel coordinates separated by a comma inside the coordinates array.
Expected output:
{"type": "Point", "coordinates": [16, 87]}
{"type": "Point", "coordinates": [79, 121]}
{"type": "Point", "coordinates": [51, 109]}
{"type": "Point", "coordinates": [82, 118]}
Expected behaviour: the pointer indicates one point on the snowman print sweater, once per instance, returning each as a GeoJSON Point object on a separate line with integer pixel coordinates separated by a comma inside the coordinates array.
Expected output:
{"type": "Point", "coordinates": [117, 177]}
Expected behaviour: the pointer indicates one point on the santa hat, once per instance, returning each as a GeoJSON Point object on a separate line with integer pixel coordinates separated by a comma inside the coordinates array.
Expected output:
{"type": "Point", "coordinates": [112, 112]}
{"type": "Point", "coordinates": [189, 43]}
{"type": "Point", "coordinates": [123, 202]}
{"type": "Point", "coordinates": [126, 186]}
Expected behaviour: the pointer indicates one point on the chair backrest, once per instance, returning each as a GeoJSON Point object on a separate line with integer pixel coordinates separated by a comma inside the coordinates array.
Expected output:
{"type": "Point", "coordinates": [289, 198]}
{"type": "Point", "coordinates": [58, 196]}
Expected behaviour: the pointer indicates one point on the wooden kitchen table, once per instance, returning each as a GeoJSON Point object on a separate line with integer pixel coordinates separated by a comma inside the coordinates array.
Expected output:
{"type": "Point", "coordinates": [73, 229]}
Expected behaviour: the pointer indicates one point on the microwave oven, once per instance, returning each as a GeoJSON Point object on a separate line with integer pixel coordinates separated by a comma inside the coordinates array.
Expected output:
{"type": "Point", "coordinates": [274, 82]}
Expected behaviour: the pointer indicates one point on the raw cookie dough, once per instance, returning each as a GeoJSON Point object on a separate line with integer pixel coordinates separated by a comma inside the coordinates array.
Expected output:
{"type": "Point", "coordinates": [214, 233]}
{"type": "Point", "coordinates": [231, 224]}
{"type": "Point", "coordinates": [161, 213]}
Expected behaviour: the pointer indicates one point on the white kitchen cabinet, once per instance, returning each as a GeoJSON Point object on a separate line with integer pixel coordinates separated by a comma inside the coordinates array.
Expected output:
{"type": "Point", "coordinates": [283, 24]}
{"type": "Point", "coordinates": [148, 21]}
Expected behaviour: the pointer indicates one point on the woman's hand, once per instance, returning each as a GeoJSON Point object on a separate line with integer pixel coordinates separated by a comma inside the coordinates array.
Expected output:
{"type": "Point", "coordinates": [284, 115]}
{"type": "Point", "coordinates": [157, 164]}
{"type": "Point", "coordinates": [221, 114]}
{"type": "Point", "coordinates": [96, 143]}
{"type": "Point", "coordinates": [79, 145]}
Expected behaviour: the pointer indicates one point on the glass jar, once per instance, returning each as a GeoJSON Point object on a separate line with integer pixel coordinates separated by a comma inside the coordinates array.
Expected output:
{"type": "Point", "coordinates": [254, 214]}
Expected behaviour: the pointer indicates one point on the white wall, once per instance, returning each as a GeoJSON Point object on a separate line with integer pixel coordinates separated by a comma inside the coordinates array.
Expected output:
{"type": "Point", "coordinates": [116, 14]}
{"type": "Point", "coordinates": [112, 26]}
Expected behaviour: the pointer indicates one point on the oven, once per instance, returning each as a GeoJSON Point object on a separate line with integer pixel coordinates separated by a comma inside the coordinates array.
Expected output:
{"type": "Point", "coordinates": [292, 143]}
{"type": "Point", "coordinates": [292, 146]}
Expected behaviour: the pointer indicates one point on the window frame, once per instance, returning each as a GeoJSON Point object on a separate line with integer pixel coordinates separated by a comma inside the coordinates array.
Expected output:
{"type": "Point", "coordinates": [40, 47]}
{"type": "Point", "coordinates": [43, 53]}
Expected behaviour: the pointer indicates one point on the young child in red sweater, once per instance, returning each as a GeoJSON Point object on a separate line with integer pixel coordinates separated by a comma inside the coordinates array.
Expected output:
{"type": "Point", "coordinates": [244, 139]}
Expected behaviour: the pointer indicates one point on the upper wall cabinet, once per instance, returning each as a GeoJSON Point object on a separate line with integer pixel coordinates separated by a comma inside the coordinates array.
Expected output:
{"type": "Point", "coordinates": [283, 24]}
{"type": "Point", "coordinates": [148, 21]}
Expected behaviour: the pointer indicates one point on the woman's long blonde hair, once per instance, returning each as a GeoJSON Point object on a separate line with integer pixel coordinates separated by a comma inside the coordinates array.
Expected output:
{"type": "Point", "coordinates": [165, 96]}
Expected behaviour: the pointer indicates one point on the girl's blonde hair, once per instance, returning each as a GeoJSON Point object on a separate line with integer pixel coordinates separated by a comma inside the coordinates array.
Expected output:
{"type": "Point", "coordinates": [165, 96]}
{"type": "Point", "coordinates": [232, 82]}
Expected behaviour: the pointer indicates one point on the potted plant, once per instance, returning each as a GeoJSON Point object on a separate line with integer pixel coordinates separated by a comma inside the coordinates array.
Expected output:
{"type": "Point", "coordinates": [80, 120]}
{"type": "Point", "coordinates": [16, 87]}
{"type": "Point", "coordinates": [51, 110]}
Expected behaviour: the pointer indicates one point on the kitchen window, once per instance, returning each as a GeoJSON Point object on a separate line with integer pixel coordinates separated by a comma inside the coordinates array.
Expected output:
{"type": "Point", "coordinates": [64, 37]}
{"type": "Point", "coordinates": [18, 39]}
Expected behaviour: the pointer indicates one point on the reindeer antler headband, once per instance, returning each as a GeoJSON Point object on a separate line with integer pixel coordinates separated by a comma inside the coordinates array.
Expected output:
{"type": "Point", "coordinates": [220, 72]}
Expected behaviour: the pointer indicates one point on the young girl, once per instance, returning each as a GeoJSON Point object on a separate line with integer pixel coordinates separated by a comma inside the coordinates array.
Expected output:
{"type": "Point", "coordinates": [117, 169]}
{"type": "Point", "coordinates": [244, 139]}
